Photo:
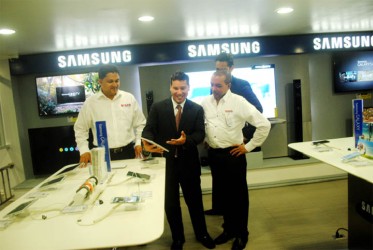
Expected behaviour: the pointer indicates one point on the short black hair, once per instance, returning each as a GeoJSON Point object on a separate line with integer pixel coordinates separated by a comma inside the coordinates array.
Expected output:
{"type": "Point", "coordinates": [181, 76]}
{"type": "Point", "coordinates": [226, 73]}
{"type": "Point", "coordinates": [225, 57]}
{"type": "Point", "coordinates": [105, 69]}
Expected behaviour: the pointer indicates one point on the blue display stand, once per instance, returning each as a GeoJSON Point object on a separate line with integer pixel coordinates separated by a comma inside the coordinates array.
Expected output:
{"type": "Point", "coordinates": [102, 141]}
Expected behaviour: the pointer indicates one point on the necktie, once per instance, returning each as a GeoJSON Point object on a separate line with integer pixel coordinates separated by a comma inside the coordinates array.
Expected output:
{"type": "Point", "coordinates": [178, 116]}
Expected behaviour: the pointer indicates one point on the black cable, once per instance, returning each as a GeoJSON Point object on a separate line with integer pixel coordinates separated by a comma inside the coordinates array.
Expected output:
{"type": "Point", "coordinates": [338, 234]}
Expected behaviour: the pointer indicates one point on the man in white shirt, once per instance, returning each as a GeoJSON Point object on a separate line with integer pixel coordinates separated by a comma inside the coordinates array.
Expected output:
{"type": "Point", "coordinates": [122, 114]}
{"type": "Point", "coordinates": [225, 61]}
{"type": "Point", "coordinates": [225, 115]}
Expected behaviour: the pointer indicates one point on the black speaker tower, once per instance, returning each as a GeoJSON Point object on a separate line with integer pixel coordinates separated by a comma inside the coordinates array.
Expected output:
{"type": "Point", "coordinates": [295, 132]}
{"type": "Point", "coordinates": [297, 96]}
{"type": "Point", "coordinates": [149, 99]}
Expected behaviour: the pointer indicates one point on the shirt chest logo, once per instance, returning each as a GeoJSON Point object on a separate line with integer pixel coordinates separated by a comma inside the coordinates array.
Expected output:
{"type": "Point", "coordinates": [126, 105]}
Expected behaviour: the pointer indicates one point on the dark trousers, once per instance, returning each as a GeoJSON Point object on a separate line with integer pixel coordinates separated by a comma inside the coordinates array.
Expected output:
{"type": "Point", "coordinates": [123, 153]}
{"type": "Point", "coordinates": [179, 175]}
{"type": "Point", "coordinates": [229, 179]}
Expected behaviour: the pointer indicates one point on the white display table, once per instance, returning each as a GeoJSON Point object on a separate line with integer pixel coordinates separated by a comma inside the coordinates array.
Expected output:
{"type": "Point", "coordinates": [360, 186]}
{"type": "Point", "coordinates": [103, 224]}
{"type": "Point", "coordinates": [338, 148]}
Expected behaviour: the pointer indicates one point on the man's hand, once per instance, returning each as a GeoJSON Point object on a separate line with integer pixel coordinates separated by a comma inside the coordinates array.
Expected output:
{"type": "Point", "coordinates": [85, 159]}
{"type": "Point", "coordinates": [238, 150]}
{"type": "Point", "coordinates": [138, 152]}
{"type": "Point", "coordinates": [151, 147]}
{"type": "Point", "coordinates": [180, 141]}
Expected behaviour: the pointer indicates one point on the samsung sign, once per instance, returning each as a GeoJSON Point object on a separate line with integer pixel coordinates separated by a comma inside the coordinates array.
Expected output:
{"type": "Point", "coordinates": [191, 50]}
{"type": "Point", "coordinates": [214, 49]}
{"type": "Point", "coordinates": [194, 51]}
{"type": "Point", "coordinates": [95, 58]}
{"type": "Point", "coordinates": [342, 42]}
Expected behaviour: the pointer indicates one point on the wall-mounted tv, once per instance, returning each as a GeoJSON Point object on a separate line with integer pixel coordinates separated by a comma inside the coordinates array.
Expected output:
{"type": "Point", "coordinates": [353, 71]}
{"type": "Point", "coordinates": [260, 77]}
{"type": "Point", "coordinates": [64, 94]}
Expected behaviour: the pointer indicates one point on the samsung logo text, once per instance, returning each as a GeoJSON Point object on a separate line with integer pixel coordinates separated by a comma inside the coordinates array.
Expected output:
{"type": "Point", "coordinates": [96, 58]}
{"type": "Point", "coordinates": [342, 42]}
{"type": "Point", "coordinates": [214, 49]}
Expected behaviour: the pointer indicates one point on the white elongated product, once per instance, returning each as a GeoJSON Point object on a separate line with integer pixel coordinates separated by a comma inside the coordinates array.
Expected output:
{"type": "Point", "coordinates": [99, 168]}
{"type": "Point", "coordinates": [351, 156]}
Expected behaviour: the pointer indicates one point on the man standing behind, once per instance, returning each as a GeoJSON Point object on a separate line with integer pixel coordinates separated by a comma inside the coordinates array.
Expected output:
{"type": "Point", "coordinates": [225, 115]}
{"type": "Point", "coordinates": [183, 167]}
{"type": "Point", "coordinates": [122, 114]}
{"type": "Point", "coordinates": [224, 61]}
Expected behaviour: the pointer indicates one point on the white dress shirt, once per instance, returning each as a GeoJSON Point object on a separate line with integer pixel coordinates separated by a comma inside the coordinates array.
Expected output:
{"type": "Point", "coordinates": [123, 116]}
{"type": "Point", "coordinates": [224, 121]}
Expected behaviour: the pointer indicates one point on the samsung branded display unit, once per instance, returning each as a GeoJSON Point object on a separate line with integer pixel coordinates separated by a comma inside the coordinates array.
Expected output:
{"type": "Point", "coordinates": [363, 128]}
{"type": "Point", "coordinates": [353, 72]}
{"type": "Point", "coordinates": [64, 94]}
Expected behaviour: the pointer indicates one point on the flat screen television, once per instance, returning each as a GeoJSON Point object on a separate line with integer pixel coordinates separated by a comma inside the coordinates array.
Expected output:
{"type": "Point", "coordinates": [64, 94]}
{"type": "Point", "coordinates": [52, 148]}
{"type": "Point", "coordinates": [353, 72]}
{"type": "Point", "coordinates": [260, 77]}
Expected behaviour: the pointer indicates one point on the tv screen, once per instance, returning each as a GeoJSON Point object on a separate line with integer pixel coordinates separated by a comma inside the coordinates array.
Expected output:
{"type": "Point", "coordinates": [52, 148]}
{"type": "Point", "coordinates": [64, 94]}
{"type": "Point", "coordinates": [260, 77]}
{"type": "Point", "coordinates": [353, 71]}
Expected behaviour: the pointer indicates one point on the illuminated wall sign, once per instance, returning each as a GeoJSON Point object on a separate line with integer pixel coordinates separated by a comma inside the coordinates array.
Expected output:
{"type": "Point", "coordinates": [95, 58]}
{"type": "Point", "coordinates": [214, 49]}
{"type": "Point", "coordinates": [342, 42]}
{"type": "Point", "coordinates": [91, 59]}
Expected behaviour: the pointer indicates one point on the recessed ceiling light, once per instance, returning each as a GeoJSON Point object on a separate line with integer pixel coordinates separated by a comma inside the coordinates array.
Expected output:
{"type": "Point", "coordinates": [7, 31]}
{"type": "Point", "coordinates": [284, 10]}
{"type": "Point", "coordinates": [146, 18]}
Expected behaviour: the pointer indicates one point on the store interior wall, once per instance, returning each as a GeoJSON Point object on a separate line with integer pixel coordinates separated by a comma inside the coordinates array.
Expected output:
{"type": "Point", "coordinates": [11, 153]}
{"type": "Point", "coordinates": [314, 70]}
{"type": "Point", "coordinates": [331, 113]}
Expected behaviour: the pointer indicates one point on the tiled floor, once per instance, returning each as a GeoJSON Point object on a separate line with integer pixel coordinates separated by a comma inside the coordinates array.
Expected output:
{"type": "Point", "coordinates": [289, 218]}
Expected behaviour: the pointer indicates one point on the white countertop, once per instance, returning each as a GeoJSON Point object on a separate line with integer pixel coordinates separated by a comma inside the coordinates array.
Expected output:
{"type": "Point", "coordinates": [332, 154]}
{"type": "Point", "coordinates": [101, 225]}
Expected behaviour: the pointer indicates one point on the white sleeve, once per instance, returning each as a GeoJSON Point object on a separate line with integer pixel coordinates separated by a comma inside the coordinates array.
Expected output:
{"type": "Point", "coordinates": [138, 122]}
{"type": "Point", "coordinates": [81, 129]}
{"type": "Point", "coordinates": [262, 124]}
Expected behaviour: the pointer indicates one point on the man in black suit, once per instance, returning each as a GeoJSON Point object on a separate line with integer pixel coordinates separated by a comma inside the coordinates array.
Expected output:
{"type": "Point", "coordinates": [224, 61]}
{"type": "Point", "coordinates": [183, 166]}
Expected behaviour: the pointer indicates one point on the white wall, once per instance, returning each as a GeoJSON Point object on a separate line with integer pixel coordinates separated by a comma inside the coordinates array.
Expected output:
{"type": "Point", "coordinates": [326, 106]}
{"type": "Point", "coordinates": [12, 153]}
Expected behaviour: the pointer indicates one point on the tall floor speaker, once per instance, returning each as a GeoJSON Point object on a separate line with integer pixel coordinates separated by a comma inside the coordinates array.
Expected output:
{"type": "Point", "coordinates": [149, 100]}
{"type": "Point", "coordinates": [295, 121]}
{"type": "Point", "coordinates": [297, 95]}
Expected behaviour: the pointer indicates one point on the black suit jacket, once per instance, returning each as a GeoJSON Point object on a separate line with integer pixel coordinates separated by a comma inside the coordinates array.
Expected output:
{"type": "Point", "coordinates": [161, 127]}
{"type": "Point", "coordinates": [243, 88]}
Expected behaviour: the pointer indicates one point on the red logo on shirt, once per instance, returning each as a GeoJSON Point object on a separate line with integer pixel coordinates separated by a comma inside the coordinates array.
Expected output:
{"type": "Point", "coordinates": [126, 105]}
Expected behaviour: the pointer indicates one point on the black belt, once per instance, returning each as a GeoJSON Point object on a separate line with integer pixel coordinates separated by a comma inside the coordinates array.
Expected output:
{"type": "Point", "coordinates": [121, 149]}
{"type": "Point", "coordinates": [221, 150]}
